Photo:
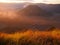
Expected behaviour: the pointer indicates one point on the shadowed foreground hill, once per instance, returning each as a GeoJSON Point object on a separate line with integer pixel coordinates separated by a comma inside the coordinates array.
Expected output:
{"type": "Point", "coordinates": [31, 38]}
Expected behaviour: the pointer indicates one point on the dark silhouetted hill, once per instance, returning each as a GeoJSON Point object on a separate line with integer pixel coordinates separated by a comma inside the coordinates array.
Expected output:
{"type": "Point", "coordinates": [53, 8]}
{"type": "Point", "coordinates": [33, 10]}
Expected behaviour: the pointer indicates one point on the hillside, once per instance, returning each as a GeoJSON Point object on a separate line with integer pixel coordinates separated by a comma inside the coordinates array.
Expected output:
{"type": "Point", "coordinates": [31, 38]}
{"type": "Point", "coordinates": [33, 16]}
{"type": "Point", "coordinates": [33, 10]}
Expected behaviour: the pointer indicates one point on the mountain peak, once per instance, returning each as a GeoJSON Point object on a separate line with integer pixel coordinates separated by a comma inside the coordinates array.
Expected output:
{"type": "Point", "coordinates": [33, 10]}
{"type": "Point", "coordinates": [32, 6]}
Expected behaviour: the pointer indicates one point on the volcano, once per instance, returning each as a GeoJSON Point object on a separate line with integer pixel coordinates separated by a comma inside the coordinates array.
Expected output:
{"type": "Point", "coordinates": [33, 10]}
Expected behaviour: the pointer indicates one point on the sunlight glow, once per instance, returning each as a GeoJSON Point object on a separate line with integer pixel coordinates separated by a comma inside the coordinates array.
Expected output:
{"type": "Point", "coordinates": [9, 1]}
{"type": "Point", "coordinates": [21, 1]}
{"type": "Point", "coordinates": [37, 1]}
{"type": "Point", "coordinates": [31, 1]}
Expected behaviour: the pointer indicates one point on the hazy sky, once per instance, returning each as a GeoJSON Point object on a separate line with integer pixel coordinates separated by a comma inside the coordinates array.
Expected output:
{"type": "Point", "coordinates": [36, 1]}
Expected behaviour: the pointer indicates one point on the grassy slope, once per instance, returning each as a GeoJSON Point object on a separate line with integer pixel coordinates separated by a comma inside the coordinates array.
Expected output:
{"type": "Point", "coordinates": [31, 38]}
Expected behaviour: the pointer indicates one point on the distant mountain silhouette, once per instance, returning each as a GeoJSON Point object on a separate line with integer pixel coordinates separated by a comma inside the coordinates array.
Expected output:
{"type": "Point", "coordinates": [33, 10]}
{"type": "Point", "coordinates": [53, 8]}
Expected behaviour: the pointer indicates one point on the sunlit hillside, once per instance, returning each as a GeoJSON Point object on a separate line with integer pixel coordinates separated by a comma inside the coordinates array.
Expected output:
{"type": "Point", "coordinates": [31, 38]}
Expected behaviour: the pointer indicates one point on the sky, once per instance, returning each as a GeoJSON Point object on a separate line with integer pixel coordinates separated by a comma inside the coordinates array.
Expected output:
{"type": "Point", "coordinates": [35, 1]}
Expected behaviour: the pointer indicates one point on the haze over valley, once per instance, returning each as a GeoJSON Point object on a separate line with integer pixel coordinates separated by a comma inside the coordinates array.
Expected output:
{"type": "Point", "coordinates": [29, 15]}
